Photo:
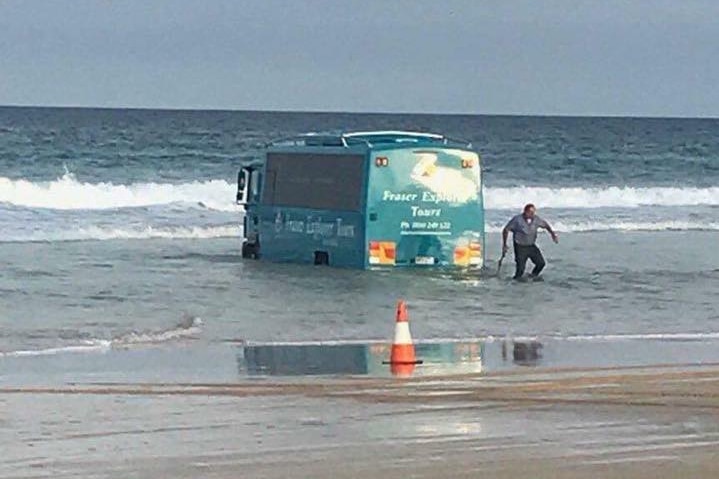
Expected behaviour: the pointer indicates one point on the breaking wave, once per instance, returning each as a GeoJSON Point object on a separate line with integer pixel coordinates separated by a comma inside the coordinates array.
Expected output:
{"type": "Point", "coordinates": [67, 193]}
{"type": "Point", "coordinates": [607, 197]}
{"type": "Point", "coordinates": [187, 329]}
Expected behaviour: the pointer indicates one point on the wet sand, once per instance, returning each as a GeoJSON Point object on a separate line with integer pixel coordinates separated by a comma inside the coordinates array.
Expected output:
{"type": "Point", "coordinates": [659, 422]}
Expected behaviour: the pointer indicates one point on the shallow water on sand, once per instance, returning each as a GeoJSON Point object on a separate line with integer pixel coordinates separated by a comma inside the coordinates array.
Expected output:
{"type": "Point", "coordinates": [120, 264]}
{"type": "Point", "coordinates": [112, 294]}
{"type": "Point", "coordinates": [119, 223]}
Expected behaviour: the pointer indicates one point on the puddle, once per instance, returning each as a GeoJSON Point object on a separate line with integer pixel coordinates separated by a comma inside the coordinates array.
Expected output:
{"type": "Point", "coordinates": [450, 357]}
{"type": "Point", "coordinates": [357, 359]}
{"type": "Point", "coordinates": [222, 362]}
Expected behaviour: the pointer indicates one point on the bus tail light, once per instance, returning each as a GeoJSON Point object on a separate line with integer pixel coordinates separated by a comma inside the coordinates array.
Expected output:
{"type": "Point", "coordinates": [468, 254]}
{"type": "Point", "coordinates": [382, 253]}
{"type": "Point", "coordinates": [467, 163]}
{"type": "Point", "coordinates": [461, 256]}
{"type": "Point", "coordinates": [381, 161]}
{"type": "Point", "coordinates": [475, 253]}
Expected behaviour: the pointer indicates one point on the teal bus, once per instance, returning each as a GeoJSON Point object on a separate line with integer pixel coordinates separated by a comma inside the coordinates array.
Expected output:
{"type": "Point", "coordinates": [364, 200]}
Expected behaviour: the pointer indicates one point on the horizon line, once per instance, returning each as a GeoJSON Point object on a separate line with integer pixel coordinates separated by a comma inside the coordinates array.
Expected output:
{"type": "Point", "coordinates": [351, 112]}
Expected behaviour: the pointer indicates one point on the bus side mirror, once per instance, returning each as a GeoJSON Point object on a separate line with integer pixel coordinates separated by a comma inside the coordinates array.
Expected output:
{"type": "Point", "coordinates": [241, 186]}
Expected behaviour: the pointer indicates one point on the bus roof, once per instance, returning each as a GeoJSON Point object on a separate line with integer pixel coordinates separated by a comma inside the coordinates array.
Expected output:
{"type": "Point", "coordinates": [369, 139]}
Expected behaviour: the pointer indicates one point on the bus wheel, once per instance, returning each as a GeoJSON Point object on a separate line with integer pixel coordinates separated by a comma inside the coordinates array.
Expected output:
{"type": "Point", "coordinates": [322, 258]}
{"type": "Point", "coordinates": [250, 251]}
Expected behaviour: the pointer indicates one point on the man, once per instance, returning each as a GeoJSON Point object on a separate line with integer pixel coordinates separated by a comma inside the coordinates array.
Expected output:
{"type": "Point", "coordinates": [524, 228]}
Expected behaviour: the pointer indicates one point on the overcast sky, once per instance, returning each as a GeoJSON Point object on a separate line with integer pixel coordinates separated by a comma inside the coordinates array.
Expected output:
{"type": "Point", "coordinates": [598, 57]}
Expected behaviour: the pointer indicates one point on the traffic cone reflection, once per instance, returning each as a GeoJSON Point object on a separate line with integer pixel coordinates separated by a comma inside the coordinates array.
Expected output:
{"type": "Point", "coordinates": [402, 370]}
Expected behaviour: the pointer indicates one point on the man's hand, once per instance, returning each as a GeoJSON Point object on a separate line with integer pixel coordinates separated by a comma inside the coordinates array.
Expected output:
{"type": "Point", "coordinates": [555, 238]}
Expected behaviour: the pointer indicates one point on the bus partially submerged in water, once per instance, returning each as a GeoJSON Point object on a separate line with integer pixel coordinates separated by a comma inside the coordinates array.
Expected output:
{"type": "Point", "coordinates": [365, 199]}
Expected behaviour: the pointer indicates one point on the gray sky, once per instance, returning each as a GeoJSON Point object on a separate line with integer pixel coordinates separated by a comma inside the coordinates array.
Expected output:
{"type": "Point", "coordinates": [598, 57]}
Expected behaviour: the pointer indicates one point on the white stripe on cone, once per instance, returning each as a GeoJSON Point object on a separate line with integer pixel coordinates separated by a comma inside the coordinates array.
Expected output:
{"type": "Point", "coordinates": [401, 333]}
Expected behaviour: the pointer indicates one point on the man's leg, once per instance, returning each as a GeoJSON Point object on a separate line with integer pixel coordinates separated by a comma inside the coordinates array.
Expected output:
{"type": "Point", "coordinates": [521, 253]}
{"type": "Point", "coordinates": [536, 256]}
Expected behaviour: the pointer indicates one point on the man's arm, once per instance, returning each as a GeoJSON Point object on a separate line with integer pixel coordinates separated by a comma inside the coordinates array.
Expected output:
{"type": "Point", "coordinates": [549, 229]}
{"type": "Point", "coordinates": [505, 235]}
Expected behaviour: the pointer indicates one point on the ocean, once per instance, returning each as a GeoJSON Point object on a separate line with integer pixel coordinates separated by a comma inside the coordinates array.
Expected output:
{"type": "Point", "coordinates": [119, 234]}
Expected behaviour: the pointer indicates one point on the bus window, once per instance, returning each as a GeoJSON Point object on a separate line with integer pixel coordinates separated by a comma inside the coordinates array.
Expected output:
{"type": "Point", "coordinates": [241, 186]}
{"type": "Point", "coordinates": [255, 181]}
{"type": "Point", "coordinates": [305, 180]}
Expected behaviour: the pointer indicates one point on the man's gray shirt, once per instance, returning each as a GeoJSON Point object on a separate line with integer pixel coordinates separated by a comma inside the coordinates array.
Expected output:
{"type": "Point", "coordinates": [525, 233]}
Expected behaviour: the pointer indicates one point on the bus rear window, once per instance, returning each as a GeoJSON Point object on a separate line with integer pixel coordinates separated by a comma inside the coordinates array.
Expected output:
{"type": "Point", "coordinates": [324, 181]}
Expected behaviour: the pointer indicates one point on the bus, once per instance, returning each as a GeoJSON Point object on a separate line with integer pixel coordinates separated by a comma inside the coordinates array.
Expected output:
{"type": "Point", "coordinates": [365, 200]}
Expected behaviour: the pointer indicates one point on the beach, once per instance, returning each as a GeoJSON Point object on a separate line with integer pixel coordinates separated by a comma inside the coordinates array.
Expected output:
{"type": "Point", "coordinates": [609, 422]}
{"type": "Point", "coordinates": [287, 239]}
{"type": "Point", "coordinates": [135, 341]}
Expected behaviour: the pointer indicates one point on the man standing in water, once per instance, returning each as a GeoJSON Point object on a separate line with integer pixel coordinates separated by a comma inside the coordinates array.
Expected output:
{"type": "Point", "coordinates": [524, 229]}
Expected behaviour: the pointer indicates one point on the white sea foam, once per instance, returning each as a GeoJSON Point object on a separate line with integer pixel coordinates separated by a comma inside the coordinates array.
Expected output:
{"type": "Point", "coordinates": [642, 337]}
{"type": "Point", "coordinates": [666, 336]}
{"type": "Point", "coordinates": [67, 193]}
{"type": "Point", "coordinates": [600, 338]}
{"type": "Point", "coordinates": [90, 346]}
{"type": "Point", "coordinates": [102, 233]}
{"type": "Point", "coordinates": [607, 197]}
{"type": "Point", "coordinates": [188, 328]}
{"type": "Point", "coordinates": [613, 225]}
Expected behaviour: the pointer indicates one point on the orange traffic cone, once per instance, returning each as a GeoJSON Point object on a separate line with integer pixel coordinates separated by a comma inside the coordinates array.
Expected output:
{"type": "Point", "coordinates": [402, 346]}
